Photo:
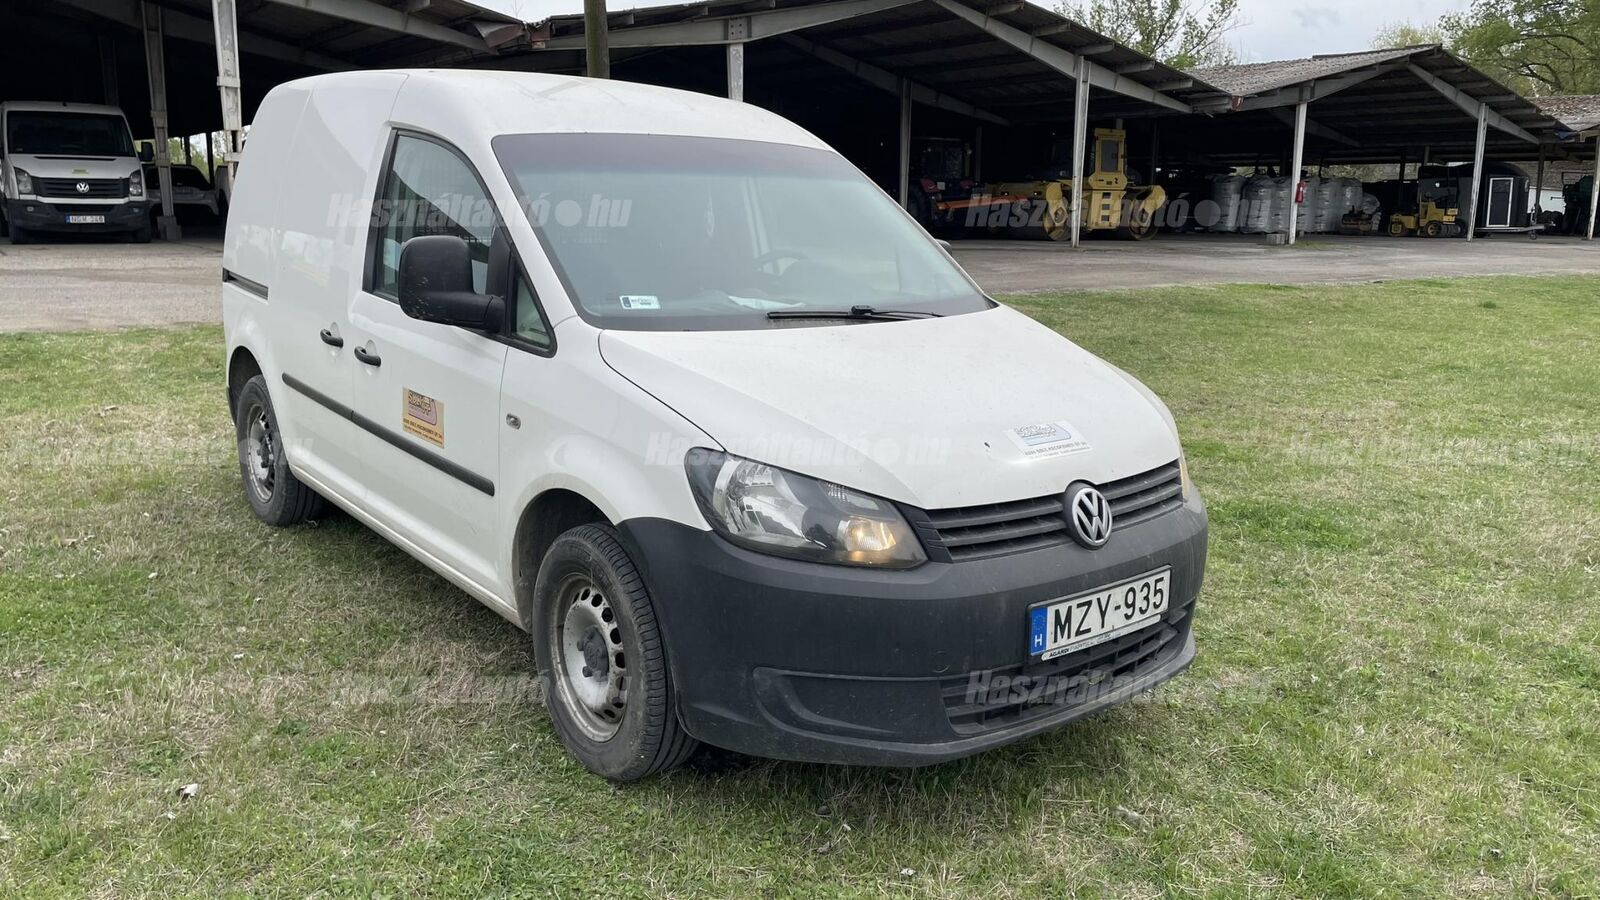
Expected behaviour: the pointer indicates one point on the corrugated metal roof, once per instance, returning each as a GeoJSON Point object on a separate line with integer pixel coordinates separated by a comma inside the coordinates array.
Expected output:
{"type": "Point", "coordinates": [935, 47]}
{"type": "Point", "coordinates": [1579, 112]}
{"type": "Point", "coordinates": [1258, 78]}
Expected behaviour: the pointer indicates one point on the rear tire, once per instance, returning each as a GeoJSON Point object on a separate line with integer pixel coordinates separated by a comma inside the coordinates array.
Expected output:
{"type": "Point", "coordinates": [277, 497]}
{"type": "Point", "coordinates": [602, 659]}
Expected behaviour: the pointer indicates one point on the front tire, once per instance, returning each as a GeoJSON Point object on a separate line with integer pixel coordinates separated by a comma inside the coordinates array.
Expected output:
{"type": "Point", "coordinates": [277, 497]}
{"type": "Point", "coordinates": [603, 661]}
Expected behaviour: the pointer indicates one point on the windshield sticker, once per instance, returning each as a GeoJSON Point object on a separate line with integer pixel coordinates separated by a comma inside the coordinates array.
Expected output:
{"type": "Point", "coordinates": [1048, 440]}
{"type": "Point", "coordinates": [640, 301]}
{"type": "Point", "coordinates": [423, 417]}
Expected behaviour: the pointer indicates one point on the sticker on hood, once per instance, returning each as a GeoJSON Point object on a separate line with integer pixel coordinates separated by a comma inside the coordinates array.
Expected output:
{"type": "Point", "coordinates": [1047, 440]}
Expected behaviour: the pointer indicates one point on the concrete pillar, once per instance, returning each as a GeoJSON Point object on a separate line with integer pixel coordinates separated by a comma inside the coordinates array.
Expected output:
{"type": "Point", "coordinates": [736, 72]}
{"type": "Point", "coordinates": [1298, 158]}
{"type": "Point", "coordinates": [1080, 137]}
{"type": "Point", "coordinates": [1594, 189]}
{"type": "Point", "coordinates": [903, 186]}
{"type": "Point", "coordinates": [156, 69]}
{"type": "Point", "coordinates": [225, 22]}
{"type": "Point", "coordinates": [1477, 170]}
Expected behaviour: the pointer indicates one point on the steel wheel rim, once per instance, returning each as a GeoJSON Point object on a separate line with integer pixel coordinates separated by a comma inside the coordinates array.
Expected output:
{"type": "Point", "coordinates": [261, 455]}
{"type": "Point", "coordinates": [591, 678]}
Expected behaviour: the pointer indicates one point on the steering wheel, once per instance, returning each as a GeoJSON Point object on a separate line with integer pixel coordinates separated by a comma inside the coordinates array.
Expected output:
{"type": "Point", "coordinates": [772, 256]}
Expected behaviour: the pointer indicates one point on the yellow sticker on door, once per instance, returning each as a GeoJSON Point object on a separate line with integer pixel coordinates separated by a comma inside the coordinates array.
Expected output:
{"type": "Point", "coordinates": [424, 417]}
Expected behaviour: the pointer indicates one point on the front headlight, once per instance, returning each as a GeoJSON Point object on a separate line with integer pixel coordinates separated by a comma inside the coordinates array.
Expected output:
{"type": "Point", "coordinates": [24, 181]}
{"type": "Point", "coordinates": [136, 184]}
{"type": "Point", "coordinates": [769, 510]}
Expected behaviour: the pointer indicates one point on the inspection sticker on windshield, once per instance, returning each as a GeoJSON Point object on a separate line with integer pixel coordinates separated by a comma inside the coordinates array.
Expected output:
{"type": "Point", "coordinates": [424, 417]}
{"type": "Point", "coordinates": [640, 301]}
{"type": "Point", "coordinates": [1047, 440]}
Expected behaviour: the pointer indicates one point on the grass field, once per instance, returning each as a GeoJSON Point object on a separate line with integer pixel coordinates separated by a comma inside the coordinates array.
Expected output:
{"type": "Point", "coordinates": [1397, 693]}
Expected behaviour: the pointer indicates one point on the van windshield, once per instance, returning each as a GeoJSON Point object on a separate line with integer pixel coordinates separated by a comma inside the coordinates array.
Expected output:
{"type": "Point", "coordinates": [656, 232]}
{"type": "Point", "coordinates": [67, 134]}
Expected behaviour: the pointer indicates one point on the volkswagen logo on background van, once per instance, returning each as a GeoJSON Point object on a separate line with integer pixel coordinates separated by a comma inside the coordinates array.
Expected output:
{"type": "Point", "coordinates": [1089, 515]}
{"type": "Point", "coordinates": [83, 187]}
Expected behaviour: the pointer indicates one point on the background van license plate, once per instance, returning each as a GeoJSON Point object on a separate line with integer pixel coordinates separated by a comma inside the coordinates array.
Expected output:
{"type": "Point", "coordinates": [1058, 627]}
{"type": "Point", "coordinates": [86, 220]}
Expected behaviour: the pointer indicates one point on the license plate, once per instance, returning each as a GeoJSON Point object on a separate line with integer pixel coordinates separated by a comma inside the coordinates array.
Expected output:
{"type": "Point", "coordinates": [1059, 627]}
{"type": "Point", "coordinates": [86, 220]}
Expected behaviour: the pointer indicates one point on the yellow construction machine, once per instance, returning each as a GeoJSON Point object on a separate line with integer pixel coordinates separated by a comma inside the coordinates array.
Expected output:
{"type": "Point", "coordinates": [1043, 208]}
{"type": "Point", "coordinates": [1431, 220]}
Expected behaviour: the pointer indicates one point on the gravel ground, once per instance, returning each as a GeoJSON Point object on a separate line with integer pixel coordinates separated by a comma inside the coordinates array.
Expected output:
{"type": "Point", "coordinates": [99, 284]}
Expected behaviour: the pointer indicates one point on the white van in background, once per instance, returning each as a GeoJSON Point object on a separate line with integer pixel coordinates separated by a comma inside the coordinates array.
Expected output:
{"type": "Point", "coordinates": [665, 381]}
{"type": "Point", "coordinates": [70, 167]}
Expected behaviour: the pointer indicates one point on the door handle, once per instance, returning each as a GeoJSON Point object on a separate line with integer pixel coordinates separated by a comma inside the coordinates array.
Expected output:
{"type": "Point", "coordinates": [331, 339]}
{"type": "Point", "coordinates": [368, 357]}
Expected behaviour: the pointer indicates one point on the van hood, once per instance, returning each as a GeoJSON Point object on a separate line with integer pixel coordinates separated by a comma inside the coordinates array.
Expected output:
{"type": "Point", "coordinates": [961, 410]}
{"type": "Point", "coordinates": [52, 166]}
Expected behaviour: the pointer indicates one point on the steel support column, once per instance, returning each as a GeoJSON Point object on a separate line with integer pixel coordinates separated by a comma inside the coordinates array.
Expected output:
{"type": "Point", "coordinates": [736, 72]}
{"type": "Point", "coordinates": [904, 186]}
{"type": "Point", "coordinates": [1080, 137]}
{"type": "Point", "coordinates": [155, 63]}
{"type": "Point", "coordinates": [225, 23]}
{"type": "Point", "coordinates": [1477, 170]}
{"type": "Point", "coordinates": [1298, 158]}
{"type": "Point", "coordinates": [1594, 189]}
{"type": "Point", "coordinates": [1538, 186]}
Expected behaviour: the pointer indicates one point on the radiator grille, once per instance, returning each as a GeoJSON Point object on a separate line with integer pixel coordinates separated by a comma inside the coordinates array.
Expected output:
{"type": "Point", "coordinates": [995, 529]}
{"type": "Point", "coordinates": [68, 187]}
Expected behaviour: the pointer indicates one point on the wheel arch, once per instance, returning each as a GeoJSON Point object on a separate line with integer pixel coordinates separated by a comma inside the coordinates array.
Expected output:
{"type": "Point", "coordinates": [547, 516]}
{"type": "Point", "coordinates": [242, 366]}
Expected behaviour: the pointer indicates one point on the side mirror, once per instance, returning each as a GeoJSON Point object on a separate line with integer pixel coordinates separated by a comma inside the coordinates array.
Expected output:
{"type": "Point", "coordinates": [436, 285]}
{"type": "Point", "coordinates": [146, 153]}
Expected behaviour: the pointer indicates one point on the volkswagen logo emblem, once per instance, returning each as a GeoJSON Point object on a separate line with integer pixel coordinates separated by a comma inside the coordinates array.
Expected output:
{"type": "Point", "coordinates": [83, 187]}
{"type": "Point", "coordinates": [1088, 515]}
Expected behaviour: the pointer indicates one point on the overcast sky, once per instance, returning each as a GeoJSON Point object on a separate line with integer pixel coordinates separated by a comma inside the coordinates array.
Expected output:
{"type": "Point", "coordinates": [1269, 29]}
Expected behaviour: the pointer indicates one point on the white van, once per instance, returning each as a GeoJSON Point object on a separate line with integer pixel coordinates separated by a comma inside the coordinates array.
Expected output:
{"type": "Point", "coordinates": [70, 167]}
{"type": "Point", "coordinates": [669, 384]}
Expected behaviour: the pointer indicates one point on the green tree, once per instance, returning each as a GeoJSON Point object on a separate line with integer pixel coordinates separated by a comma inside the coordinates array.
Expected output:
{"type": "Point", "coordinates": [1539, 47]}
{"type": "Point", "coordinates": [1406, 34]}
{"type": "Point", "coordinates": [1185, 34]}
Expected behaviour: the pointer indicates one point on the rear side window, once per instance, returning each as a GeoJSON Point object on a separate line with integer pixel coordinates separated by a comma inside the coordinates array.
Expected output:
{"type": "Point", "coordinates": [428, 189]}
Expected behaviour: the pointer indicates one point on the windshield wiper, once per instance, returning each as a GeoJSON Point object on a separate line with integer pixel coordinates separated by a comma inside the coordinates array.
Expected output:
{"type": "Point", "coordinates": [854, 312]}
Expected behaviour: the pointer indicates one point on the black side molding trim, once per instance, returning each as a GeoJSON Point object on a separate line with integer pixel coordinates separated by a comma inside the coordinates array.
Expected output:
{"type": "Point", "coordinates": [464, 475]}
{"type": "Point", "coordinates": [253, 287]}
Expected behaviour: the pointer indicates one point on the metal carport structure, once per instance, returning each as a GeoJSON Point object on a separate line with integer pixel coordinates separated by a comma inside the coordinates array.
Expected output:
{"type": "Point", "coordinates": [1007, 64]}
{"type": "Point", "coordinates": [1407, 104]}
{"type": "Point", "coordinates": [187, 66]}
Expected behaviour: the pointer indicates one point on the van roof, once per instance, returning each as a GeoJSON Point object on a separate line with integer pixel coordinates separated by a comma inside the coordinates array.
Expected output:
{"type": "Point", "coordinates": [57, 106]}
{"type": "Point", "coordinates": [499, 102]}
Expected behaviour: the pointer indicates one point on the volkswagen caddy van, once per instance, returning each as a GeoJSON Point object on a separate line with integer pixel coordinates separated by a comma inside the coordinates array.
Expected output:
{"type": "Point", "coordinates": [667, 383]}
{"type": "Point", "coordinates": [70, 167]}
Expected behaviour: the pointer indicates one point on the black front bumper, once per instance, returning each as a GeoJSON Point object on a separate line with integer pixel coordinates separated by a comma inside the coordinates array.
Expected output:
{"type": "Point", "coordinates": [47, 215]}
{"type": "Point", "coordinates": [804, 661]}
